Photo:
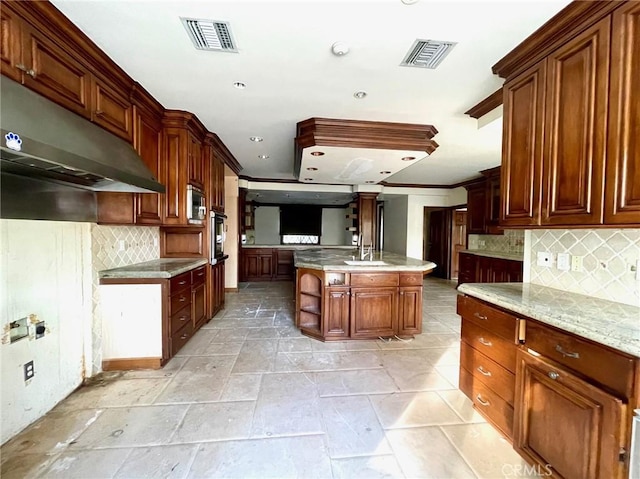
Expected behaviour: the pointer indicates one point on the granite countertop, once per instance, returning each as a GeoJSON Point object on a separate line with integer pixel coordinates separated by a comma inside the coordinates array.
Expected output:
{"type": "Point", "coordinates": [495, 254]}
{"type": "Point", "coordinates": [613, 324]}
{"type": "Point", "coordinates": [334, 260]}
{"type": "Point", "coordinates": [295, 246]}
{"type": "Point", "coordinates": [157, 268]}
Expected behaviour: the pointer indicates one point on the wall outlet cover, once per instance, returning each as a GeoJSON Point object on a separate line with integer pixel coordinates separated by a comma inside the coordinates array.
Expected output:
{"type": "Point", "coordinates": [29, 371]}
{"type": "Point", "coordinates": [576, 263]}
{"type": "Point", "coordinates": [564, 261]}
{"type": "Point", "coordinates": [544, 258]}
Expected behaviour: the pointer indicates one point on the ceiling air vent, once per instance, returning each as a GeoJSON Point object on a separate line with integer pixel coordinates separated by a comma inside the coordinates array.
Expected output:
{"type": "Point", "coordinates": [210, 34]}
{"type": "Point", "coordinates": [427, 53]}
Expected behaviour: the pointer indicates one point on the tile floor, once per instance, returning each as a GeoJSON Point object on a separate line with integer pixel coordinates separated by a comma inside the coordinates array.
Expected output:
{"type": "Point", "coordinates": [249, 396]}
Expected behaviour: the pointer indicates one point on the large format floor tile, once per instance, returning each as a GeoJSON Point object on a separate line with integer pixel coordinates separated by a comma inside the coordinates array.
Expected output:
{"type": "Point", "coordinates": [250, 396]}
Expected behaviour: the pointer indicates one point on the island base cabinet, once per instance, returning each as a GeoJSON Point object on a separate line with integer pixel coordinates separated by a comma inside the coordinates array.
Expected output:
{"type": "Point", "coordinates": [565, 425]}
{"type": "Point", "coordinates": [410, 311]}
{"type": "Point", "coordinates": [336, 313]}
{"type": "Point", "coordinates": [374, 312]}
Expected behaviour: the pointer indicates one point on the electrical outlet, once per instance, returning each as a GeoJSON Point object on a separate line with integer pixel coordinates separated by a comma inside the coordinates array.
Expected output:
{"type": "Point", "coordinates": [29, 371]}
{"type": "Point", "coordinates": [544, 259]}
{"type": "Point", "coordinates": [122, 245]}
{"type": "Point", "coordinates": [576, 263]}
{"type": "Point", "coordinates": [564, 261]}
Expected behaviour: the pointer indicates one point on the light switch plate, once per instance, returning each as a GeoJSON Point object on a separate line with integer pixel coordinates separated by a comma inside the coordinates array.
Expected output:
{"type": "Point", "coordinates": [576, 263]}
{"type": "Point", "coordinates": [564, 261]}
{"type": "Point", "coordinates": [544, 259]}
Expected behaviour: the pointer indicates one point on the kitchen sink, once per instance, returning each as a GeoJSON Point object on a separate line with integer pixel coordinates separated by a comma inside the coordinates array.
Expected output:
{"type": "Point", "coordinates": [365, 262]}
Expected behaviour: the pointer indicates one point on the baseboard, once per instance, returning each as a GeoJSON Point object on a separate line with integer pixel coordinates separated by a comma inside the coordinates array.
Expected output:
{"type": "Point", "coordinates": [126, 364]}
{"type": "Point", "coordinates": [231, 290]}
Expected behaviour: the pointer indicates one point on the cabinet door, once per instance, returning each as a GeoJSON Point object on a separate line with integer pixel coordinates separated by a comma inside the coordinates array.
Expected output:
{"type": "Point", "coordinates": [221, 282]}
{"type": "Point", "coordinates": [174, 177]}
{"type": "Point", "coordinates": [54, 73]}
{"type": "Point", "coordinates": [476, 206]}
{"type": "Point", "coordinates": [258, 265]}
{"type": "Point", "coordinates": [335, 316]}
{"type": "Point", "coordinates": [622, 200]}
{"type": "Point", "coordinates": [492, 208]}
{"type": "Point", "coordinates": [564, 423]}
{"type": "Point", "coordinates": [10, 44]}
{"type": "Point", "coordinates": [284, 264]}
{"type": "Point", "coordinates": [468, 268]}
{"type": "Point", "coordinates": [374, 312]}
{"type": "Point", "coordinates": [576, 129]}
{"type": "Point", "coordinates": [112, 109]}
{"type": "Point", "coordinates": [198, 305]}
{"type": "Point", "coordinates": [410, 310]}
{"type": "Point", "coordinates": [196, 162]}
{"type": "Point", "coordinates": [147, 142]}
{"type": "Point", "coordinates": [521, 171]}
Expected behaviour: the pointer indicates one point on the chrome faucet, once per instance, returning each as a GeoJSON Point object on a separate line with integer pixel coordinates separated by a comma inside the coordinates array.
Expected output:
{"type": "Point", "coordinates": [366, 251]}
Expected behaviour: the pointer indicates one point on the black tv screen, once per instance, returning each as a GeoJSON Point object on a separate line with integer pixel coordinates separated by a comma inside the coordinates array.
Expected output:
{"type": "Point", "coordinates": [300, 220]}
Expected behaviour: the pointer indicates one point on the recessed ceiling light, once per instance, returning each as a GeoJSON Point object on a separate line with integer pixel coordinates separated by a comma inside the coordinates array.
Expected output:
{"type": "Point", "coordinates": [339, 49]}
{"type": "Point", "coordinates": [263, 157]}
{"type": "Point", "coordinates": [240, 85]}
{"type": "Point", "coordinates": [312, 168]}
{"type": "Point", "coordinates": [317, 153]}
{"type": "Point", "coordinates": [308, 179]}
{"type": "Point", "coordinates": [409, 2]}
{"type": "Point", "coordinates": [360, 94]}
{"type": "Point", "coordinates": [369, 181]}
{"type": "Point", "coordinates": [256, 139]}
{"type": "Point", "coordinates": [385, 172]}
{"type": "Point", "coordinates": [408, 158]}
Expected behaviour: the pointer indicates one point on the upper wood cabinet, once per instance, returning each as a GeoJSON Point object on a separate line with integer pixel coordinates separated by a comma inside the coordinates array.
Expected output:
{"type": "Point", "coordinates": [476, 207]}
{"type": "Point", "coordinates": [483, 204]}
{"type": "Point", "coordinates": [196, 162]}
{"type": "Point", "coordinates": [111, 109]}
{"type": "Point", "coordinates": [622, 191]}
{"type": "Point", "coordinates": [10, 44]}
{"type": "Point", "coordinates": [570, 154]}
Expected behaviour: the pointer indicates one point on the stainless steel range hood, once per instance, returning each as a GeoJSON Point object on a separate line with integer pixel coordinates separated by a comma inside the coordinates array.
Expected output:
{"type": "Point", "coordinates": [60, 146]}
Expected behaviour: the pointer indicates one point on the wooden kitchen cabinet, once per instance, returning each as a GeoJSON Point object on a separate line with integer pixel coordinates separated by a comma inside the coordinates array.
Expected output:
{"type": "Point", "coordinates": [10, 44]}
{"type": "Point", "coordinates": [335, 323]}
{"type": "Point", "coordinates": [374, 312]}
{"type": "Point", "coordinates": [217, 288]}
{"type": "Point", "coordinates": [410, 310]}
{"type": "Point", "coordinates": [257, 264]}
{"type": "Point", "coordinates": [476, 207]}
{"type": "Point", "coordinates": [198, 296]}
{"type": "Point", "coordinates": [564, 423]}
{"type": "Point", "coordinates": [569, 152]}
{"type": "Point", "coordinates": [283, 264]}
{"type": "Point", "coordinates": [111, 109]}
{"type": "Point", "coordinates": [309, 288]}
{"type": "Point", "coordinates": [622, 190]}
{"type": "Point", "coordinates": [485, 269]}
{"type": "Point", "coordinates": [483, 204]}
{"type": "Point", "coordinates": [195, 161]}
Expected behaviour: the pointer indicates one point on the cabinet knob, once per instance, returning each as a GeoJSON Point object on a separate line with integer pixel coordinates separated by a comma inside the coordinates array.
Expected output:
{"type": "Point", "coordinates": [99, 112]}
{"type": "Point", "coordinates": [183, 282]}
{"type": "Point", "coordinates": [183, 318]}
{"type": "Point", "coordinates": [553, 375]}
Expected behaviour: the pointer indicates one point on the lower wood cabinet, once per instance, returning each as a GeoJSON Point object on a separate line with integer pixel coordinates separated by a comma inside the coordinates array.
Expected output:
{"type": "Point", "coordinates": [565, 402]}
{"type": "Point", "coordinates": [267, 264]}
{"type": "Point", "coordinates": [485, 269]}
{"type": "Point", "coordinates": [342, 305]}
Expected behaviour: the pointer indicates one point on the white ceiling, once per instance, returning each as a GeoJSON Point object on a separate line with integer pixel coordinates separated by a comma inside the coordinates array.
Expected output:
{"type": "Point", "coordinates": [291, 75]}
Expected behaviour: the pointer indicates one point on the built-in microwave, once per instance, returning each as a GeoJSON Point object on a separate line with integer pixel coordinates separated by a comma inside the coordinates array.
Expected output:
{"type": "Point", "coordinates": [196, 205]}
{"type": "Point", "coordinates": [217, 236]}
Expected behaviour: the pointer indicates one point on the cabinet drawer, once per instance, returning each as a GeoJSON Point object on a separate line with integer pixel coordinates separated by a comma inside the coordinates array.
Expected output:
{"type": "Point", "coordinates": [488, 403]}
{"type": "Point", "coordinates": [374, 279]}
{"type": "Point", "coordinates": [180, 282]}
{"type": "Point", "coordinates": [180, 300]}
{"type": "Point", "coordinates": [179, 338]}
{"type": "Point", "coordinates": [500, 350]}
{"type": "Point", "coordinates": [609, 368]}
{"type": "Point", "coordinates": [180, 318]}
{"type": "Point", "coordinates": [489, 372]}
{"type": "Point", "coordinates": [485, 316]}
{"type": "Point", "coordinates": [198, 275]}
{"type": "Point", "coordinates": [411, 279]}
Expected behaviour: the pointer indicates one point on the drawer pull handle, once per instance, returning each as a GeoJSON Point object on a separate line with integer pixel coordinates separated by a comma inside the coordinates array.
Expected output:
{"type": "Point", "coordinates": [567, 354]}
{"type": "Point", "coordinates": [184, 336]}
{"type": "Point", "coordinates": [182, 299]}
{"type": "Point", "coordinates": [183, 318]}
{"type": "Point", "coordinates": [484, 342]}
{"type": "Point", "coordinates": [183, 282]}
{"type": "Point", "coordinates": [201, 274]}
{"type": "Point", "coordinates": [483, 371]}
{"type": "Point", "coordinates": [479, 316]}
{"type": "Point", "coordinates": [99, 112]}
{"type": "Point", "coordinates": [553, 375]}
{"type": "Point", "coordinates": [482, 401]}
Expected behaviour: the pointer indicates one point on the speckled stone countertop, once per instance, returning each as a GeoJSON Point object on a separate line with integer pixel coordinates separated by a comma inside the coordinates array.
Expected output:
{"type": "Point", "coordinates": [294, 246]}
{"type": "Point", "coordinates": [334, 260]}
{"type": "Point", "coordinates": [494, 254]}
{"type": "Point", "coordinates": [613, 324]}
{"type": "Point", "coordinates": [157, 268]}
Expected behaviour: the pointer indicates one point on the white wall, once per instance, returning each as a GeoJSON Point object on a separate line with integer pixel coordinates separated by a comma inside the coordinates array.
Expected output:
{"type": "Point", "coordinates": [46, 271]}
{"type": "Point", "coordinates": [395, 225]}
{"type": "Point", "coordinates": [333, 226]}
{"type": "Point", "coordinates": [267, 220]}
{"type": "Point", "coordinates": [231, 194]}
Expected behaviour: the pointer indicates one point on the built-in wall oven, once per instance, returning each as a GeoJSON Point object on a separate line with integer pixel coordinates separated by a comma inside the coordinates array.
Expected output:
{"type": "Point", "coordinates": [217, 236]}
{"type": "Point", "coordinates": [196, 206]}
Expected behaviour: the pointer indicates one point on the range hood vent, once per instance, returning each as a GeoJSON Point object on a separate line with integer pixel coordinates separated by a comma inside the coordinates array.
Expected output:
{"type": "Point", "coordinates": [427, 53]}
{"type": "Point", "coordinates": [210, 34]}
{"type": "Point", "coordinates": [42, 140]}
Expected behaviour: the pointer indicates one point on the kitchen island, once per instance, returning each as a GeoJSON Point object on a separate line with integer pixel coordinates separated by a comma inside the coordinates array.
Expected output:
{"type": "Point", "coordinates": [340, 297]}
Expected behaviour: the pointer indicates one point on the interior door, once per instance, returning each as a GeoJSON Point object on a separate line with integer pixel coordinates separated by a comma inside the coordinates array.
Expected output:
{"type": "Point", "coordinates": [458, 240]}
{"type": "Point", "coordinates": [439, 241]}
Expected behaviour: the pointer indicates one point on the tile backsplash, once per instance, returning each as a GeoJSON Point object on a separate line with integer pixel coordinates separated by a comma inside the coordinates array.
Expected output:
{"type": "Point", "coordinates": [113, 247]}
{"type": "Point", "coordinates": [609, 258]}
{"type": "Point", "coordinates": [511, 242]}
